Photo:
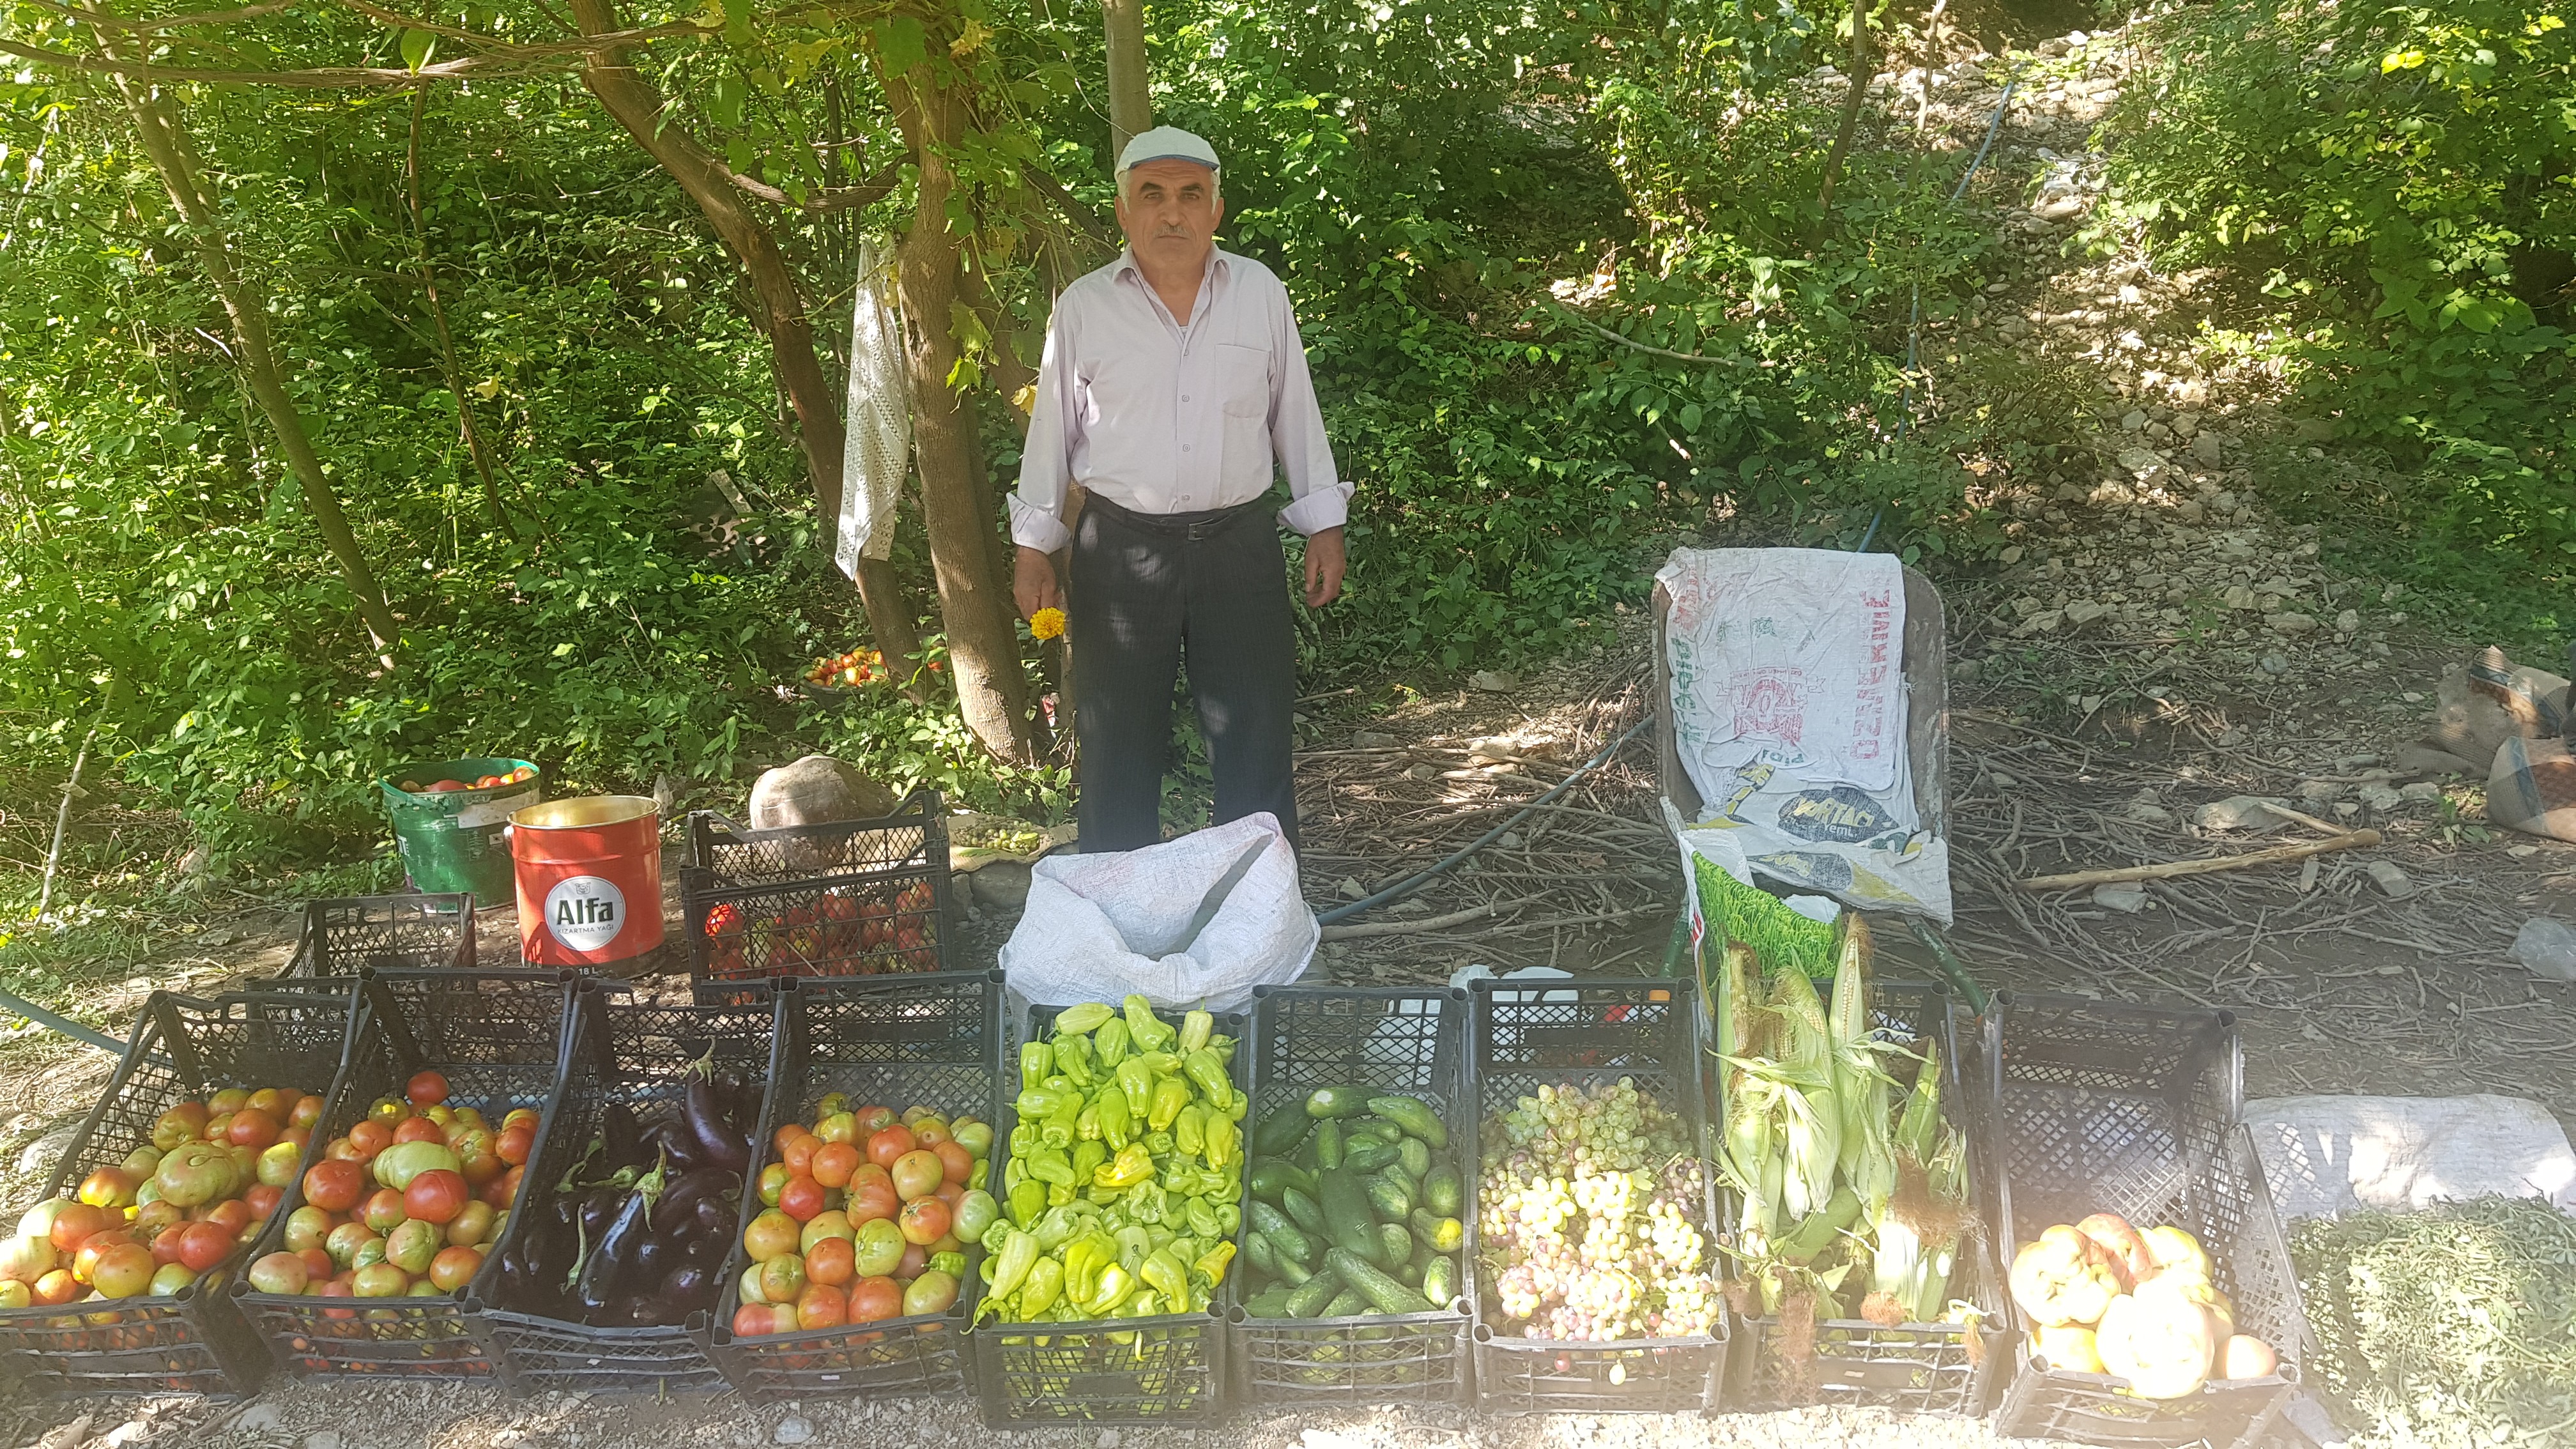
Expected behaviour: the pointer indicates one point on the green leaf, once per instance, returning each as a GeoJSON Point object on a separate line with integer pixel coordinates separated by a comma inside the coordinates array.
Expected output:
{"type": "Point", "coordinates": [901, 43]}
{"type": "Point", "coordinates": [416, 48]}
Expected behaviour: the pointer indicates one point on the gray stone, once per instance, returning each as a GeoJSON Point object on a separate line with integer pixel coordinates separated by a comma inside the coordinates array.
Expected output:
{"type": "Point", "coordinates": [1372, 740]}
{"type": "Point", "coordinates": [2136, 421]}
{"type": "Point", "coordinates": [815, 790]}
{"type": "Point", "coordinates": [322, 1439]}
{"type": "Point", "coordinates": [129, 1432]}
{"type": "Point", "coordinates": [2380, 797]}
{"type": "Point", "coordinates": [2425, 760]}
{"type": "Point", "coordinates": [1494, 681]}
{"type": "Point", "coordinates": [1350, 889]}
{"type": "Point", "coordinates": [1424, 772]}
{"type": "Point", "coordinates": [2209, 448]}
{"type": "Point", "coordinates": [794, 1429]}
{"type": "Point", "coordinates": [2085, 611]}
{"type": "Point", "coordinates": [1002, 885]}
{"type": "Point", "coordinates": [2422, 792]}
{"type": "Point", "coordinates": [2348, 622]}
{"type": "Point", "coordinates": [258, 1418]}
{"type": "Point", "coordinates": [2292, 624]}
{"type": "Point", "coordinates": [2318, 792]}
{"type": "Point", "coordinates": [2240, 812]}
{"type": "Point", "coordinates": [2547, 946]}
{"type": "Point", "coordinates": [2147, 812]}
{"type": "Point", "coordinates": [2126, 897]}
{"type": "Point", "coordinates": [2141, 461]}
{"type": "Point", "coordinates": [2391, 881]}
{"type": "Point", "coordinates": [2275, 662]}
{"type": "Point", "coordinates": [1109, 1439]}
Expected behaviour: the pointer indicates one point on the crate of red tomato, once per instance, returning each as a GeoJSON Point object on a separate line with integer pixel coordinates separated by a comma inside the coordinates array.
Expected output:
{"type": "Point", "coordinates": [115, 1280]}
{"type": "Point", "coordinates": [846, 898]}
{"type": "Point", "coordinates": [426, 1138]}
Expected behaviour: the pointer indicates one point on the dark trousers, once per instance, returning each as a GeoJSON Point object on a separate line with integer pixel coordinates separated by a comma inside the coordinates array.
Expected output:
{"type": "Point", "coordinates": [1148, 592]}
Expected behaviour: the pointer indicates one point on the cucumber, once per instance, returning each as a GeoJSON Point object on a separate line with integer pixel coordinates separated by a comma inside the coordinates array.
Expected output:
{"type": "Point", "coordinates": [1396, 1243]}
{"type": "Point", "coordinates": [1439, 1234]}
{"type": "Point", "coordinates": [1270, 1176]}
{"type": "Point", "coordinates": [1308, 1158]}
{"type": "Point", "coordinates": [1369, 1158]}
{"type": "Point", "coordinates": [1327, 1142]}
{"type": "Point", "coordinates": [1286, 1240]}
{"type": "Point", "coordinates": [1348, 1222]}
{"type": "Point", "coordinates": [1328, 1102]}
{"type": "Point", "coordinates": [1280, 1131]}
{"type": "Point", "coordinates": [1443, 1191]}
{"type": "Point", "coordinates": [1346, 1304]}
{"type": "Point", "coordinates": [1413, 1115]}
{"type": "Point", "coordinates": [1291, 1272]}
{"type": "Point", "coordinates": [1269, 1303]}
{"type": "Point", "coordinates": [1382, 1292]}
{"type": "Point", "coordinates": [1307, 1300]}
{"type": "Point", "coordinates": [1303, 1210]}
{"type": "Point", "coordinates": [1388, 1197]}
{"type": "Point", "coordinates": [1258, 1252]}
{"type": "Point", "coordinates": [1440, 1281]}
{"type": "Point", "coordinates": [1415, 1156]}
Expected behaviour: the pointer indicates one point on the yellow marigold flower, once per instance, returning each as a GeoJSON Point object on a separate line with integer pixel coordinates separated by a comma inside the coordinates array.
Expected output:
{"type": "Point", "coordinates": [1046, 624]}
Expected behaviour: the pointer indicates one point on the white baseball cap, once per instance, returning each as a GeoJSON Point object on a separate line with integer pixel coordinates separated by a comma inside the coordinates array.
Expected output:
{"type": "Point", "coordinates": [1166, 143]}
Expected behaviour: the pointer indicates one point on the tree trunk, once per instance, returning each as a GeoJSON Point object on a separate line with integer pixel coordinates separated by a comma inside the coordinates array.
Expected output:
{"type": "Point", "coordinates": [1852, 101]}
{"type": "Point", "coordinates": [1131, 101]}
{"type": "Point", "coordinates": [446, 340]}
{"type": "Point", "coordinates": [641, 110]}
{"type": "Point", "coordinates": [992, 689]}
{"type": "Point", "coordinates": [165, 140]}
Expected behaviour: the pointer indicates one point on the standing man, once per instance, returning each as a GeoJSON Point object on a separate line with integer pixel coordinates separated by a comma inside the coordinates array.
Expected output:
{"type": "Point", "coordinates": [1173, 378]}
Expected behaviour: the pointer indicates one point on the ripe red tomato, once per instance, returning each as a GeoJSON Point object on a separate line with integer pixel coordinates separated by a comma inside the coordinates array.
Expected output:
{"type": "Point", "coordinates": [873, 1120]}
{"type": "Point", "coordinates": [203, 1245]}
{"type": "Point", "coordinates": [426, 1089]}
{"type": "Point", "coordinates": [834, 1163]}
{"type": "Point", "coordinates": [754, 1320]}
{"type": "Point", "coordinates": [232, 1215]}
{"type": "Point", "coordinates": [801, 1198]}
{"type": "Point", "coordinates": [263, 1199]}
{"type": "Point", "coordinates": [436, 1196]}
{"type": "Point", "coordinates": [251, 1128]}
{"type": "Point", "coordinates": [76, 1224]}
{"type": "Point", "coordinates": [832, 1261]}
{"type": "Point", "coordinates": [875, 1299]}
{"type": "Point", "coordinates": [334, 1186]}
{"type": "Point", "coordinates": [486, 782]}
{"type": "Point", "coordinates": [514, 1144]}
{"type": "Point", "coordinates": [442, 786]}
{"type": "Point", "coordinates": [419, 1129]}
{"type": "Point", "coordinates": [799, 1152]}
{"type": "Point", "coordinates": [888, 1144]}
{"type": "Point", "coordinates": [821, 1306]}
{"type": "Point", "coordinates": [924, 1221]}
{"type": "Point", "coordinates": [369, 1138]}
{"type": "Point", "coordinates": [955, 1162]}
{"type": "Point", "coordinates": [165, 1243]}
{"type": "Point", "coordinates": [318, 1264]}
{"type": "Point", "coordinates": [502, 1191]}
{"type": "Point", "coordinates": [870, 1200]}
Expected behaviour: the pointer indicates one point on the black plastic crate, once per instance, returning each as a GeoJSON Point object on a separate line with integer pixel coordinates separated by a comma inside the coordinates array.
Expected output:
{"type": "Point", "coordinates": [499, 1037]}
{"type": "Point", "coordinates": [1405, 1039]}
{"type": "Point", "coordinates": [1925, 1368]}
{"type": "Point", "coordinates": [848, 898]}
{"type": "Point", "coordinates": [630, 1054]}
{"type": "Point", "coordinates": [344, 937]}
{"type": "Point", "coordinates": [182, 1049]}
{"type": "Point", "coordinates": [2095, 1107]}
{"type": "Point", "coordinates": [1523, 1034]}
{"type": "Point", "coordinates": [1167, 1369]}
{"type": "Point", "coordinates": [897, 1041]}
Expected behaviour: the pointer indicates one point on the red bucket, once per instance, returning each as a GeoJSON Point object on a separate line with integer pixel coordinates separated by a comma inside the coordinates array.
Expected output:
{"type": "Point", "coordinates": [589, 873]}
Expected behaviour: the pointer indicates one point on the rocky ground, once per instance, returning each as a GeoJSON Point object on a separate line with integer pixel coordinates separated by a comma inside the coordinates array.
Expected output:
{"type": "Point", "coordinates": [2153, 645]}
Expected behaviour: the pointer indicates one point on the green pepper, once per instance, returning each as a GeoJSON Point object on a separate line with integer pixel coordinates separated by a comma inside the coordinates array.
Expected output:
{"type": "Point", "coordinates": [1164, 1274]}
{"type": "Point", "coordinates": [1224, 1141]}
{"type": "Point", "coordinates": [1194, 1031]}
{"type": "Point", "coordinates": [980, 1174]}
{"type": "Point", "coordinates": [1231, 1215]}
{"type": "Point", "coordinates": [1202, 1216]}
{"type": "Point", "coordinates": [1207, 1071]}
{"type": "Point", "coordinates": [1136, 1084]}
{"type": "Point", "coordinates": [1036, 1060]}
{"type": "Point", "coordinates": [1061, 1129]}
{"type": "Point", "coordinates": [1017, 1257]}
{"type": "Point", "coordinates": [1015, 1172]}
{"type": "Point", "coordinates": [1147, 1202]}
{"type": "Point", "coordinates": [1041, 1102]}
{"type": "Point", "coordinates": [1028, 1199]}
{"type": "Point", "coordinates": [1084, 1257]}
{"type": "Point", "coordinates": [1086, 1123]}
{"type": "Point", "coordinates": [1109, 1044]}
{"type": "Point", "coordinates": [1058, 1194]}
{"type": "Point", "coordinates": [1223, 1046]}
{"type": "Point", "coordinates": [1148, 1031]}
{"type": "Point", "coordinates": [1051, 1165]}
{"type": "Point", "coordinates": [1116, 1122]}
{"type": "Point", "coordinates": [1087, 1157]}
{"type": "Point", "coordinates": [1189, 1130]}
{"type": "Point", "coordinates": [1134, 1241]}
{"type": "Point", "coordinates": [1114, 1286]}
{"type": "Point", "coordinates": [952, 1264]}
{"type": "Point", "coordinates": [1131, 1166]}
{"type": "Point", "coordinates": [1024, 1138]}
{"type": "Point", "coordinates": [1161, 1064]}
{"type": "Point", "coordinates": [1214, 1262]}
{"type": "Point", "coordinates": [1040, 1292]}
{"type": "Point", "coordinates": [1057, 1228]}
{"type": "Point", "coordinates": [1073, 1058]}
{"type": "Point", "coordinates": [1073, 1021]}
{"type": "Point", "coordinates": [1171, 1094]}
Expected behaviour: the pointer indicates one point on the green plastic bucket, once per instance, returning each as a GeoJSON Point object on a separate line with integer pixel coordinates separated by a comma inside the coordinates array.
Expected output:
{"type": "Point", "coordinates": [451, 839]}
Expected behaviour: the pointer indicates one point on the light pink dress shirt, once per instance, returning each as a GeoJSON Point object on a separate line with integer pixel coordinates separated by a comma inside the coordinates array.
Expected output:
{"type": "Point", "coordinates": [1161, 418]}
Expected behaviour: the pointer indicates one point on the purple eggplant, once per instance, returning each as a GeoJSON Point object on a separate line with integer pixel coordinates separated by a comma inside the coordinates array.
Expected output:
{"type": "Point", "coordinates": [723, 1144]}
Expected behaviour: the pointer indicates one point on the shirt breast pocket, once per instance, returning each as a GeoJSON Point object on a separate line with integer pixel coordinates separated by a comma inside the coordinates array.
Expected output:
{"type": "Point", "coordinates": [1243, 390]}
{"type": "Point", "coordinates": [1243, 380]}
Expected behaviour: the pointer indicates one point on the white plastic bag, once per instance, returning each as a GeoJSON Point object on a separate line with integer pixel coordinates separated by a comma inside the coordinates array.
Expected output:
{"type": "Point", "coordinates": [1198, 921]}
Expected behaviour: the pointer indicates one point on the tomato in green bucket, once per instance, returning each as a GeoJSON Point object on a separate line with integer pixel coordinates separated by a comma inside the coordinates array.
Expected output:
{"type": "Point", "coordinates": [448, 818]}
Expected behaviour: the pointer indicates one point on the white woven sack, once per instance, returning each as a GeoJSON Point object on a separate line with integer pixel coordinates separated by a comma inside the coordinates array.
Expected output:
{"type": "Point", "coordinates": [879, 446]}
{"type": "Point", "coordinates": [1098, 927]}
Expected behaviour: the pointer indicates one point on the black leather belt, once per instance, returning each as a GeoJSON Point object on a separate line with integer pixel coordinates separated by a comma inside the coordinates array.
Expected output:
{"type": "Point", "coordinates": [1207, 523]}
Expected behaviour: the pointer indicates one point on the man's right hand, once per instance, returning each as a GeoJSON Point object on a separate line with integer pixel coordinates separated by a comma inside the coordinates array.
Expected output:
{"type": "Point", "coordinates": [1033, 585]}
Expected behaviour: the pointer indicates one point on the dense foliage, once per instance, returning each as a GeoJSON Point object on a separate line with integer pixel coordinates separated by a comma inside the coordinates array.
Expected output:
{"type": "Point", "coordinates": [2401, 173]}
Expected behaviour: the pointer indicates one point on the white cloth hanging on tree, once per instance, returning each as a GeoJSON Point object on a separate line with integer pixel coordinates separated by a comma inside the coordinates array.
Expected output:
{"type": "Point", "coordinates": [879, 446]}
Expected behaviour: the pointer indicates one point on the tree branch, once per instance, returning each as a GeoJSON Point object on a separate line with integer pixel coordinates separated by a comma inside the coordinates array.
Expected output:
{"type": "Point", "coordinates": [1083, 217]}
{"type": "Point", "coordinates": [338, 77]}
{"type": "Point", "coordinates": [175, 22]}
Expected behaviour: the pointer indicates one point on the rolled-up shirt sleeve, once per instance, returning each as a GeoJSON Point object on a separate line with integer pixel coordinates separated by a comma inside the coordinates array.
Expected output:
{"type": "Point", "coordinates": [1046, 460]}
{"type": "Point", "coordinates": [1321, 500]}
